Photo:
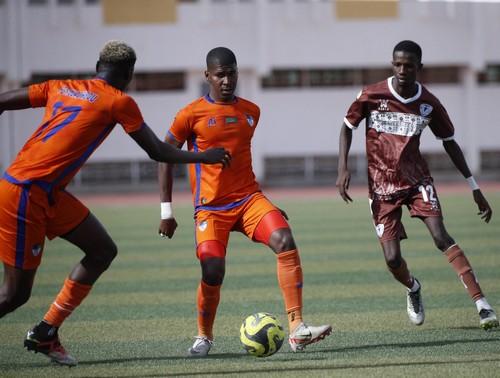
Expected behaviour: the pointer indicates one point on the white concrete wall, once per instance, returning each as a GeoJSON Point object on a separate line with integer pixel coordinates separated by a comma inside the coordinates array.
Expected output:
{"type": "Point", "coordinates": [264, 34]}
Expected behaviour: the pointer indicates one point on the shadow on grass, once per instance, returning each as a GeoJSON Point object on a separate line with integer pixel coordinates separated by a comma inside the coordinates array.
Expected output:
{"type": "Point", "coordinates": [287, 356]}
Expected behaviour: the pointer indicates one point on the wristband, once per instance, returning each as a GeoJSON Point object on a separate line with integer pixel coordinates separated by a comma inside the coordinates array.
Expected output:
{"type": "Point", "coordinates": [166, 210]}
{"type": "Point", "coordinates": [472, 183]}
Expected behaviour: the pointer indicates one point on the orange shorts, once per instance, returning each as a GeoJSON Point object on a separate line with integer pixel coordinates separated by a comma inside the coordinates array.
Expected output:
{"type": "Point", "coordinates": [422, 202]}
{"type": "Point", "coordinates": [26, 218]}
{"type": "Point", "coordinates": [215, 225]}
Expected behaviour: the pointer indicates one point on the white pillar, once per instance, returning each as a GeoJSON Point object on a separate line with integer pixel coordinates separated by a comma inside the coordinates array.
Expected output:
{"type": "Point", "coordinates": [477, 63]}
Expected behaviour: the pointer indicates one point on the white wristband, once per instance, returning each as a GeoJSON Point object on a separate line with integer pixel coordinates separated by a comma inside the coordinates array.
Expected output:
{"type": "Point", "coordinates": [166, 210]}
{"type": "Point", "coordinates": [472, 183]}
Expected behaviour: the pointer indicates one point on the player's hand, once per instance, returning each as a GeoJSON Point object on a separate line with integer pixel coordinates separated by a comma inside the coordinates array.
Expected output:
{"type": "Point", "coordinates": [217, 155]}
{"type": "Point", "coordinates": [167, 227]}
{"type": "Point", "coordinates": [483, 205]}
{"type": "Point", "coordinates": [343, 181]}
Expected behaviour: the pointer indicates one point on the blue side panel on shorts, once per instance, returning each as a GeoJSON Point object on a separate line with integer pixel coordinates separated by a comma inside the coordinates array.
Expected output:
{"type": "Point", "coordinates": [21, 227]}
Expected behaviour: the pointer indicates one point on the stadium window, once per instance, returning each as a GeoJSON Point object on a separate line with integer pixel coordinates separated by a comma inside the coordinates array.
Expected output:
{"type": "Point", "coordinates": [440, 75]}
{"type": "Point", "coordinates": [283, 79]}
{"type": "Point", "coordinates": [42, 77]}
{"type": "Point", "coordinates": [37, 2]}
{"type": "Point", "coordinates": [331, 77]}
{"type": "Point", "coordinates": [368, 76]}
{"type": "Point", "coordinates": [490, 75]}
{"type": "Point", "coordinates": [335, 77]}
{"type": "Point", "coordinates": [158, 81]}
{"type": "Point", "coordinates": [65, 2]}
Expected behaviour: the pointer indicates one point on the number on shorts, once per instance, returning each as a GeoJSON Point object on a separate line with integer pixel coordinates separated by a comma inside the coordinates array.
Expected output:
{"type": "Point", "coordinates": [427, 192]}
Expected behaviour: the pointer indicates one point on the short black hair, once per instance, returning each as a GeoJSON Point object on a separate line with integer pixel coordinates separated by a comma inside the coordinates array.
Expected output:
{"type": "Point", "coordinates": [220, 56]}
{"type": "Point", "coordinates": [409, 47]}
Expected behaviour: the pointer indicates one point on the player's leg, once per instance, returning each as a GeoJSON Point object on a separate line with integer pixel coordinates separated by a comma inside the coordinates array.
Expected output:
{"type": "Point", "coordinates": [397, 266]}
{"type": "Point", "coordinates": [212, 234]}
{"type": "Point", "coordinates": [99, 249]}
{"type": "Point", "coordinates": [72, 221]}
{"type": "Point", "coordinates": [463, 269]}
{"type": "Point", "coordinates": [390, 231]}
{"type": "Point", "coordinates": [22, 238]}
{"type": "Point", "coordinates": [273, 230]}
{"type": "Point", "coordinates": [16, 288]}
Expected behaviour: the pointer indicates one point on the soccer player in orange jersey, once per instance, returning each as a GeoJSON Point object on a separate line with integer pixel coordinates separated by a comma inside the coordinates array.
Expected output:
{"type": "Point", "coordinates": [79, 115]}
{"type": "Point", "coordinates": [397, 111]}
{"type": "Point", "coordinates": [230, 200]}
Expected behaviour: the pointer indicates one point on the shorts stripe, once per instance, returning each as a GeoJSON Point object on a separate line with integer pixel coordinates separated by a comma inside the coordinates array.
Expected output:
{"type": "Point", "coordinates": [21, 226]}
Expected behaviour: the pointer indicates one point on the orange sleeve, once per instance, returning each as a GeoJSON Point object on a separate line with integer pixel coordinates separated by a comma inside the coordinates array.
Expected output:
{"type": "Point", "coordinates": [127, 113]}
{"type": "Point", "coordinates": [182, 126]}
{"type": "Point", "coordinates": [38, 94]}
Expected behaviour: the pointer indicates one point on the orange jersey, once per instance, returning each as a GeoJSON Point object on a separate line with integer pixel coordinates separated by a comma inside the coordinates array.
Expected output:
{"type": "Point", "coordinates": [79, 115]}
{"type": "Point", "coordinates": [205, 124]}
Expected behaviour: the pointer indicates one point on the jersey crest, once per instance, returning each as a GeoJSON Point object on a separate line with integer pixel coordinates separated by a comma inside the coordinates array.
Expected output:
{"type": "Point", "coordinates": [249, 119]}
{"type": "Point", "coordinates": [425, 110]}
{"type": "Point", "coordinates": [211, 122]}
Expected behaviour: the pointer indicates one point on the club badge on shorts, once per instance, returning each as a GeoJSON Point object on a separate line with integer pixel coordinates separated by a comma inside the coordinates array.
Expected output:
{"type": "Point", "coordinates": [202, 226]}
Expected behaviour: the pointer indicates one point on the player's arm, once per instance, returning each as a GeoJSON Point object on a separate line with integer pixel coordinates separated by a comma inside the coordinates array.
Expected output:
{"type": "Point", "coordinates": [168, 224]}
{"type": "Point", "coordinates": [457, 157]}
{"type": "Point", "coordinates": [164, 152]}
{"type": "Point", "coordinates": [15, 99]}
{"type": "Point", "coordinates": [344, 176]}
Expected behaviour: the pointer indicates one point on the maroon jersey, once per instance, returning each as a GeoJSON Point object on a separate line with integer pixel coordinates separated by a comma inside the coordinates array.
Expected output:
{"type": "Point", "coordinates": [393, 128]}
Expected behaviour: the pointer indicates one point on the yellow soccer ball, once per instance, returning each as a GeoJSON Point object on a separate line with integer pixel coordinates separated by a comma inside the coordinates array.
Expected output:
{"type": "Point", "coordinates": [261, 334]}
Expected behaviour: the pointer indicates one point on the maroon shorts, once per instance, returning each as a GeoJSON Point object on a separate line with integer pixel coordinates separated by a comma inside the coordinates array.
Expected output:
{"type": "Point", "coordinates": [422, 202]}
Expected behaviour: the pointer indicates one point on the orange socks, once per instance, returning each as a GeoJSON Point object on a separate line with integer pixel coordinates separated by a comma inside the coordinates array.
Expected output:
{"type": "Point", "coordinates": [461, 265]}
{"type": "Point", "coordinates": [208, 301]}
{"type": "Point", "coordinates": [402, 274]}
{"type": "Point", "coordinates": [69, 298]}
{"type": "Point", "coordinates": [290, 281]}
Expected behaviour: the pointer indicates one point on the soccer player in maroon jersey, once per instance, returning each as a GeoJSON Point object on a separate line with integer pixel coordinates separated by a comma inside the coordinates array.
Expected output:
{"type": "Point", "coordinates": [396, 111]}
{"type": "Point", "coordinates": [34, 204]}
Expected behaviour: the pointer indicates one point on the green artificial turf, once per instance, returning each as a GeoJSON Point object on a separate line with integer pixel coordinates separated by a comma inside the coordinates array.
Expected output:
{"type": "Point", "coordinates": [140, 317]}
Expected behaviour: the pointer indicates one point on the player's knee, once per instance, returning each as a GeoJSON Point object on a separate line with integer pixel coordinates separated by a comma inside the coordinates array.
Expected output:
{"type": "Point", "coordinates": [101, 258]}
{"type": "Point", "coordinates": [281, 240]}
{"type": "Point", "coordinates": [443, 241]}
{"type": "Point", "coordinates": [109, 255]}
{"type": "Point", "coordinates": [393, 262]}
{"type": "Point", "coordinates": [213, 271]}
{"type": "Point", "coordinates": [9, 301]}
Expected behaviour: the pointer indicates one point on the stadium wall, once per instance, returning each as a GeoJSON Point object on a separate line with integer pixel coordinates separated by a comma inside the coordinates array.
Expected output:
{"type": "Point", "coordinates": [299, 126]}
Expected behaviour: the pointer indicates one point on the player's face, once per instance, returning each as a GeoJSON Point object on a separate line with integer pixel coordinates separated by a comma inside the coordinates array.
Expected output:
{"type": "Point", "coordinates": [223, 80]}
{"type": "Point", "coordinates": [405, 67]}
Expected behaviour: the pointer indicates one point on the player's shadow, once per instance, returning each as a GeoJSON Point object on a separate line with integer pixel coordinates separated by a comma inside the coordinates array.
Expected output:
{"type": "Point", "coordinates": [321, 354]}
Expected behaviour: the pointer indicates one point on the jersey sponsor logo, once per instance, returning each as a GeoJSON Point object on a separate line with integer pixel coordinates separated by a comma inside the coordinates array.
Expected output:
{"type": "Point", "coordinates": [202, 226]}
{"type": "Point", "coordinates": [425, 109]}
{"type": "Point", "coordinates": [404, 124]}
{"type": "Point", "coordinates": [231, 119]}
{"type": "Point", "coordinates": [383, 106]}
{"type": "Point", "coordinates": [36, 249]}
{"type": "Point", "coordinates": [380, 229]}
{"type": "Point", "coordinates": [249, 119]}
{"type": "Point", "coordinates": [212, 122]}
{"type": "Point", "coordinates": [81, 95]}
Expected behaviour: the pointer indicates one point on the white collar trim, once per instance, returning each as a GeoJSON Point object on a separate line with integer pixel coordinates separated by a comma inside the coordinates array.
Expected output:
{"type": "Point", "coordinates": [401, 99]}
